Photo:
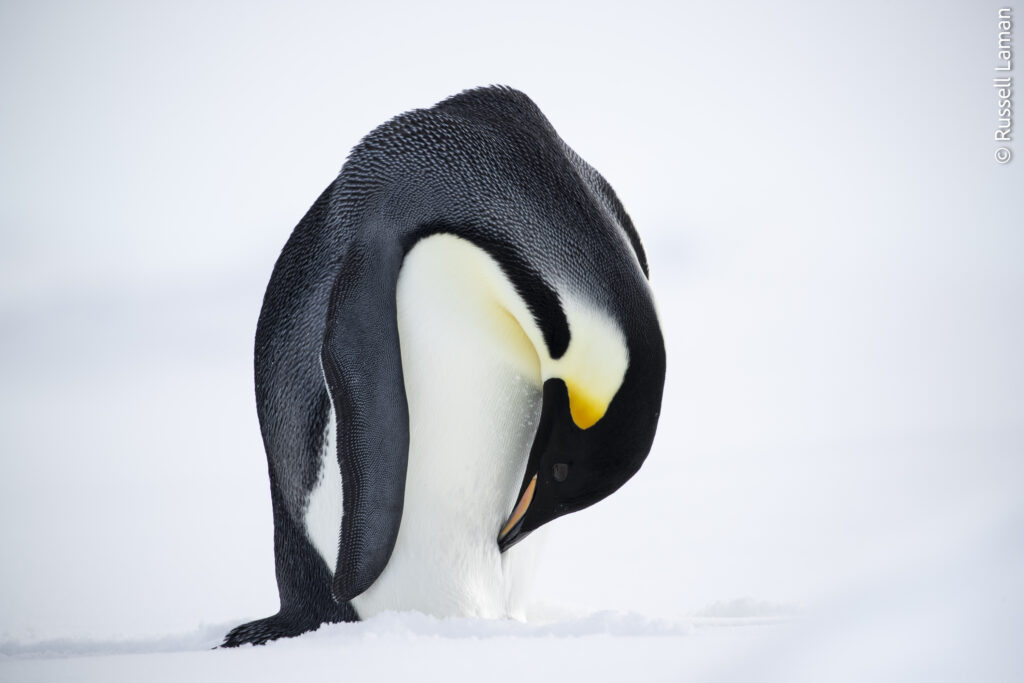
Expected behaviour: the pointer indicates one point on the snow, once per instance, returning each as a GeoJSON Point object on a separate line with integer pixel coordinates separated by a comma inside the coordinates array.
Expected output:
{"type": "Point", "coordinates": [834, 491]}
{"type": "Point", "coordinates": [396, 647]}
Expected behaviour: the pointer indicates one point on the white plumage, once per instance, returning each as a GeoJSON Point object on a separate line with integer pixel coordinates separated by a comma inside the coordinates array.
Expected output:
{"type": "Point", "coordinates": [473, 386]}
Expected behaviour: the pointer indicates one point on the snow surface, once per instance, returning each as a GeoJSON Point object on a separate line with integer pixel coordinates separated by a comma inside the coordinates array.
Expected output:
{"type": "Point", "coordinates": [834, 493]}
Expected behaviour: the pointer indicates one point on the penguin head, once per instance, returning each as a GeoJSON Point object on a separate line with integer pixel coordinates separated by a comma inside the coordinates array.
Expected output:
{"type": "Point", "coordinates": [598, 420]}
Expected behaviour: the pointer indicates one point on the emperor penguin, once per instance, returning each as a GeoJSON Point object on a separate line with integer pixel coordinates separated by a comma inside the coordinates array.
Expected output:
{"type": "Point", "coordinates": [458, 344]}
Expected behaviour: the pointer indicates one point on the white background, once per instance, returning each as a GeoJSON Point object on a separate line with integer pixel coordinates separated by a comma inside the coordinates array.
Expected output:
{"type": "Point", "coordinates": [835, 251]}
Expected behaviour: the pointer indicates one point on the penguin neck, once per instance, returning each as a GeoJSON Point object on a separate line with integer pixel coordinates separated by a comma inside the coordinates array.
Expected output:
{"type": "Point", "coordinates": [473, 386]}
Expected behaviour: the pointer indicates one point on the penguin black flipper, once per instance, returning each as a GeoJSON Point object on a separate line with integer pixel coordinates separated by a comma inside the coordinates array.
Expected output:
{"type": "Point", "coordinates": [362, 365]}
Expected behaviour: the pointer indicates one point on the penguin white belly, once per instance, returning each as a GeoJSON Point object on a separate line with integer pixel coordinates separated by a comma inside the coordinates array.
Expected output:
{"type": "Point", "coordinates": [473, 386]}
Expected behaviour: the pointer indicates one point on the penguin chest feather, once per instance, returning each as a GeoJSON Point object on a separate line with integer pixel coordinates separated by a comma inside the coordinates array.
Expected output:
{"type": "Point", "coordinates": [473, 386]}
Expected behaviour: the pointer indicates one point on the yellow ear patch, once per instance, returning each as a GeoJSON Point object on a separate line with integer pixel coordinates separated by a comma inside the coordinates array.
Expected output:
{"type": "Point", "coordinates": [595, 363]}
{"type": "Point", "coordinates": [584, 409]}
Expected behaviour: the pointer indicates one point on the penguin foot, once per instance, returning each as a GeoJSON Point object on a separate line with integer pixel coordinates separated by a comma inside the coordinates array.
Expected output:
{"type": "Point", "coordinates": [261, 631]}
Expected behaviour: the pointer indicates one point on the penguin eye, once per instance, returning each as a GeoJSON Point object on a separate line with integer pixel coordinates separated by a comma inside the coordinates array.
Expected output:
{"type": "Point", "coordinates": [560, 471]}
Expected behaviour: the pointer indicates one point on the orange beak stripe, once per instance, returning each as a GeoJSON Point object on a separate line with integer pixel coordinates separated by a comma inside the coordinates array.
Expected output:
{"type": "Point", "coordinates": [520, 509]}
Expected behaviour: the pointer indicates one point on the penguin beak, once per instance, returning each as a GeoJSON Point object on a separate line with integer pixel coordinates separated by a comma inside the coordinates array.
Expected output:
{"type": "Point", "coordinates": [510, 533]}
